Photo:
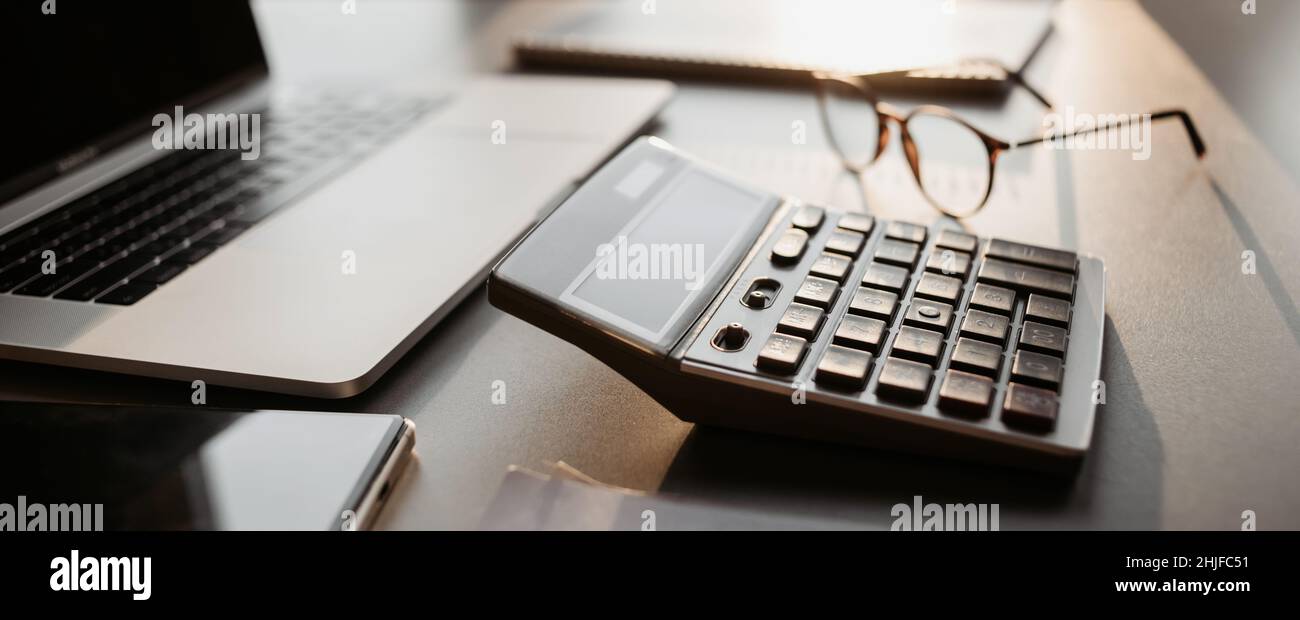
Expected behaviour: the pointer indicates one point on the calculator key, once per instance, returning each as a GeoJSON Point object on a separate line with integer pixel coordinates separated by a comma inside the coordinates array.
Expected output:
{"type": "Point", "coordinates": [897, 252]}
{"type": "Point", "coordinates": [976, 356]}
{"type": "Point", "coordinates": [1042, 338]}
{"type": "Point", "coordinates": [954, 240]}
{"type": "Point", "coordinates": [948, 262]}
{"type": "Point", "coordinates": [782, 353]}
{"type": "Point", "coordinates": [801, 320]}
{"type": "Point", "coordinates": [929, 314]}
{"type": "Point", "coordinates": [937, 287]}
{"type": "Point", "coordinates": [1026, 279]}
{"type": "Point", "coordinates": [845, 242]}
{"type": "Point", "coordinates": [906, 231]}
{"type": "Point", "coordinates": [1036, 369]}
{"type": "Point", "coordinates": [985, 326]}
{"type": "Point", "coordinates": [903, 380]}
{"type": "Point", "coordinates": [993, 299]}
{"type": "Point", "coordinates": [757, 299]}
{"type": "Point", "coordinates": [1029, 408]}
{"type": "Point", "coordinates": [832, 266]}
{"type": "Point", "coordinates": [873, 302]}
{"type": "Point", "coordinates": [731, 337]}
{"type": "Point", "coordinates": [1048, 310]}
{"type": "Point", "coordinates": [860, 332]}
{"type": "Point", "coordinates": [761, 293]}
{"type": "Point", "coordinates": [808, 217]}
{"type": "Point", "coordinates": [887, 277]}
{"type": "Point", "coordinates": [789, 247]}
{"type": "Point", "coordinates": [843, 366]}
{"type": "Point", "coordinates": [857, 222]}
{"type": "Point", "coordinates": [921, 345]}
{"type": "Point", "coordinates": [965, 394]}
{"type": "Point", "coordinates": [1031, 255]}
{"type": "Point", "coordinates": [817, 291]}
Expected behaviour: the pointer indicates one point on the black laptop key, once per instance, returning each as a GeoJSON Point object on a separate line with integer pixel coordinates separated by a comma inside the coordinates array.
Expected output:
{"type": "Point", "coordinates": [195, 253]}
{"type": "Point", "coordinates": [45, 284]}
{"type": "Point", "coordinates": [105, 278]}
{"type": "Point", "coordinates": [225, 234]}
{"type": "Point", "coordinates": [163, 273]}
{"type": "Point", "coordinates": [17, 273]}
{"type": "Point", "coordinates": [126, 294]}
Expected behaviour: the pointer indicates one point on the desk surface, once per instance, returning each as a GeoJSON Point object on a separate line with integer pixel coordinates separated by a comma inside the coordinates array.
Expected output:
{"type": "Point", "coordinates": [1202, 413]}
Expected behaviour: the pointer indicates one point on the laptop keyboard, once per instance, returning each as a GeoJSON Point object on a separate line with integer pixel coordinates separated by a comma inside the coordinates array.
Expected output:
{"type": "Point", "coordinates": [119, 243]}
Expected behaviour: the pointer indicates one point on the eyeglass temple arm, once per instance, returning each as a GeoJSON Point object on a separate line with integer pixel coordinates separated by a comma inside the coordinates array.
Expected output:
{"type": "Point", "coordinates": [1020, 81]}
{"type": "Point", "coordinates": [1197, 144]}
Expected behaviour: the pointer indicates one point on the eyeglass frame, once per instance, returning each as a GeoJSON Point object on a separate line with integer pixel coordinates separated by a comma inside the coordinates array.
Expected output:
{"type": "Point", "coordinates": [993, 146]}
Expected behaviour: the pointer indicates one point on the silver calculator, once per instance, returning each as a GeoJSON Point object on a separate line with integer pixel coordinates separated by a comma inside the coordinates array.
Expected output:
{"type": "Point", "coordinates": [732, 306]}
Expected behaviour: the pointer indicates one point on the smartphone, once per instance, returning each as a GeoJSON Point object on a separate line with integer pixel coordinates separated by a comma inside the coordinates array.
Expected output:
{"type": "Point", "coordinates": [112, 467]}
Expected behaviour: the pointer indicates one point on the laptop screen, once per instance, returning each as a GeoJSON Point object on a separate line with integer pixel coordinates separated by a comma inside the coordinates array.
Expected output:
{"type": "Point", "coordinates": [83, 76]}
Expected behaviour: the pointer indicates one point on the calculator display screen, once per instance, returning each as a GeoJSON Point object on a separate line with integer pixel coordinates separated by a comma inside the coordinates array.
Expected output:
{"type": "Point", "coordinates": [668, 254]}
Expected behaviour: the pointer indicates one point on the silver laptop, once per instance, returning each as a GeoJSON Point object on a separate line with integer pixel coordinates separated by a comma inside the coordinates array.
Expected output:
{"type": "Point", "coordinates": [165, 212]}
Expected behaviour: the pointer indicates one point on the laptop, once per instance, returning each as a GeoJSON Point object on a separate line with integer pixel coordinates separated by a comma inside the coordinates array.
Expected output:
{"type": "Point", "coordinates": [167, 211]}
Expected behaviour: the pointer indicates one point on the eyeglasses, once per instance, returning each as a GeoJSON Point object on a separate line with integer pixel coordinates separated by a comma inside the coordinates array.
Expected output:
{"type": "Point", "coordinates": [956, 175]}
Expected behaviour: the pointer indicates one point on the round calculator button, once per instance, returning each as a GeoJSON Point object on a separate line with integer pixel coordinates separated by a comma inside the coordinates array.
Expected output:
{"type": "Point", "coordinates": [929, 312]}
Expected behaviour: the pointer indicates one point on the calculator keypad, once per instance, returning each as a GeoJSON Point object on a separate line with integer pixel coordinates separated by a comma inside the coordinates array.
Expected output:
{"type": "Point", "coordinates": [893, 314]}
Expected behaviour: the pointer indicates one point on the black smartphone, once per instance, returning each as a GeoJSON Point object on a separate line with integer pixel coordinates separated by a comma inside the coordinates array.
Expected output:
{"type": "Point", "coordinates": [110, 467]}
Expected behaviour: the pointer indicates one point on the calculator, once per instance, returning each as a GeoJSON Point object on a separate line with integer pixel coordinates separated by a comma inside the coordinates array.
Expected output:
{"type": "Point", "coordinates": [732, 306]}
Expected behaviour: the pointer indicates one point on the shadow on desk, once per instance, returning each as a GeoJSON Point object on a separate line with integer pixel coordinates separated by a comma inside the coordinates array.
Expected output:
{"type": "Point", "coordinates": [860, 485]}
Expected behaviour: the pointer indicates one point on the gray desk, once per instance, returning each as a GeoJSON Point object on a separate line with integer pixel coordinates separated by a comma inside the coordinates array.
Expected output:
{"type": "Point", "coordinates": [1202, 366]}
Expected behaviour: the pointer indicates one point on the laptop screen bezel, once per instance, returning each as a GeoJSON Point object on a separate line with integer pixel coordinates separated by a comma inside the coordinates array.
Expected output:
{"type": "Point", "coordinates": [96, 148]}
